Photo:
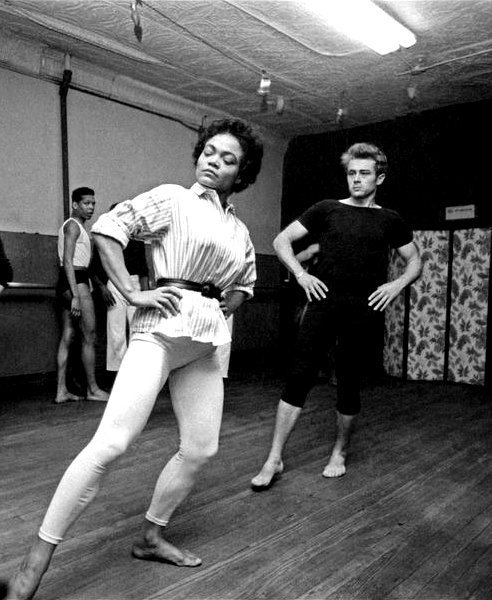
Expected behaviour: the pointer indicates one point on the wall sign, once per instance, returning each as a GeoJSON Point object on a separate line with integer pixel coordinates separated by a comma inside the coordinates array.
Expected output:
{"type": "Point", "coordinates": [455, 213]}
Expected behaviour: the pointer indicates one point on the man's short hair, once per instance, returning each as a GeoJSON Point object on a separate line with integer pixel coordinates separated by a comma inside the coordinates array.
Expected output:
{"type": "Point", "coordinates": [365, 150]}
{"type": "Point", "coordinates": [81, 191]}
{"type": "Point", "coordinates": [250, 143]}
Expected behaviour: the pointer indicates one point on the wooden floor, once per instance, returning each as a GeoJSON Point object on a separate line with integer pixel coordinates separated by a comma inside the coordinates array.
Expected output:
{"type": "Point", "coordinates": [411, 519]}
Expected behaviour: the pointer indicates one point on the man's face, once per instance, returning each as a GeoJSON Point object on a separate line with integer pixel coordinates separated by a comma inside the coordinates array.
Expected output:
{"type": "Point", "coordinates": [361, 177]}
{"type": "Point", "coordinates": [85, 208]}
{"type": "Point", "coordinates": [218, 165]}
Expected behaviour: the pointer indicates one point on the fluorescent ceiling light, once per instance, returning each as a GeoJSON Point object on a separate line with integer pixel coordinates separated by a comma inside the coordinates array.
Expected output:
{"type": "Point", "coordinates": [365, 22]}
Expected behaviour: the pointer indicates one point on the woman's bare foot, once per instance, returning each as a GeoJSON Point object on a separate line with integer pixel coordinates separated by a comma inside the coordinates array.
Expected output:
{"type": "Point", "coordinates": [23, 586]}
{"type": "Point", "coordinates": [97, 395]}
{"type": "Point", "coordinates": [66, 396]}
{"type": "Point", "coordinates": [269, 473]}
{"type": "Point", "coordinates": [336, 466]}
{"type": "Point", "coordinates": [26, 581]}
{"type": "Point", "coordinates": [154, 547]}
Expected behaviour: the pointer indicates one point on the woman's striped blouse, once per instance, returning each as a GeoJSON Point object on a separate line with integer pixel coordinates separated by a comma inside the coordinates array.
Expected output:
{"type": "Point", "coordinates": [193, 237]}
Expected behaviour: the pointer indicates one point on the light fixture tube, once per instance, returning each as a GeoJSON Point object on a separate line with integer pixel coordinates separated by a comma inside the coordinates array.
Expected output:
{"type": "Point", "coordinates": [365, 22]}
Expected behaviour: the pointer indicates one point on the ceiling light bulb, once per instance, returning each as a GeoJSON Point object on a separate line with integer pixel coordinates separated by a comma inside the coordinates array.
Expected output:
{"type": "Point", "coordinates": [365, 22]}
{"type": "Point", "coordinates": [412, 92]}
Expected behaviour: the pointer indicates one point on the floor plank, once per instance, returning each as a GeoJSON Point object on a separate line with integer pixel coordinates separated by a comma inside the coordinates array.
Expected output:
{"type": "Point", "coordinates": [412, 519]}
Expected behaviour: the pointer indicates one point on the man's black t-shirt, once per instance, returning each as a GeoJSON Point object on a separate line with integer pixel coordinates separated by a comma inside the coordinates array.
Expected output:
{"type": "Point", "coordinates": [354, 244]}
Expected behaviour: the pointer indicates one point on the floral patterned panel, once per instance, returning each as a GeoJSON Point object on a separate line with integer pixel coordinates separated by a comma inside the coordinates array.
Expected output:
{"type": "Point", "coordinates": [394, 317]}
{"type": "Point", "coordinates": [469, 293]}
{"type": "Point", "coordinates": [427, 319]}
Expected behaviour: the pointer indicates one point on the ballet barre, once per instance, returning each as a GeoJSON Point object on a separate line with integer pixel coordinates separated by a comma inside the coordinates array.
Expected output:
{"type": "Point", "coordinates": [21, 285]}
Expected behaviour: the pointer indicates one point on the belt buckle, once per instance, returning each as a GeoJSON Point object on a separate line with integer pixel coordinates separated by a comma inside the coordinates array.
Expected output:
{"type": "Point", "coordinates": [209, 290]}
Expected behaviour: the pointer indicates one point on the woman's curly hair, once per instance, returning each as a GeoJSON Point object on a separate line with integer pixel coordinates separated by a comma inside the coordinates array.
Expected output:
{"type": "Point", "coordinates": [249, 141]}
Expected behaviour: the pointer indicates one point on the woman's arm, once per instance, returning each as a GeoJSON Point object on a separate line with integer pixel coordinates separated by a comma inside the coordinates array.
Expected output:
{"type": "Point", "coordinates": [232, 301]}
{"type": "Point", "coordinates": [112, 259]}
{"type": "Point", "coordinates": [165, 299]}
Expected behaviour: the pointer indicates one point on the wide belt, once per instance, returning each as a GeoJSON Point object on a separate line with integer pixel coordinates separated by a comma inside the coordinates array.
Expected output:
{"type": "Point", "coordinates": [209, 290]}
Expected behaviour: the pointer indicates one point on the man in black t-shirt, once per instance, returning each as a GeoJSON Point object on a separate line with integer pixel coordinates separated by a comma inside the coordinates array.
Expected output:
{"type": "Point", "coordinates": [347, 293]}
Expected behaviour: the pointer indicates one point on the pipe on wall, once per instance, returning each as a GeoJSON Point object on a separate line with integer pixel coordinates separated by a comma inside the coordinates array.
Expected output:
{"type": "Point", "coordinates": [64, 87]}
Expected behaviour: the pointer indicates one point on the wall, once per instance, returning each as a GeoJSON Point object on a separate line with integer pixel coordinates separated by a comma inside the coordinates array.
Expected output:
{"type": "Point", "coordinates": [121, 152]}
{"type": "Point", "coordinates": [127, 151]}
{"type": "Point", "coordinates": [28, 322]}
{"type": "Point", "coordinates": [30, 155]}
{"type": "Point", "coordinates": [118, 150]}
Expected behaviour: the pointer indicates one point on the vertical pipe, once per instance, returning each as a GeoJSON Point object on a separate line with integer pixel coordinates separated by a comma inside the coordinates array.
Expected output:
{"type": "Point", "coordinates": [64, 87]}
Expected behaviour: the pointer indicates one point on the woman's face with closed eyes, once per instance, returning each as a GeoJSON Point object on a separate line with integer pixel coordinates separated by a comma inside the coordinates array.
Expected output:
{"type": "Point", "coordinates": [218, 165]}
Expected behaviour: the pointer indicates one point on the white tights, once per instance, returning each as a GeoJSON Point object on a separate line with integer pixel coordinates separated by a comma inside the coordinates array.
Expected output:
{"type": "Point", "coordinates": [197, 394]}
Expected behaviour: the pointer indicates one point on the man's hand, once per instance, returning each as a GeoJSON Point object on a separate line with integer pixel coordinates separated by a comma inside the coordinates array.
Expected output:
{"type": "Point", "coordinates": [107, 296]}
{"type": "Point", "coordinates": [165, 299]}
{"type": "Point", "coordinates": [75, 307]}
{"type": "Point", "coordinates": [385, 294]}
{"type": "Point", "coordinates": [314, 287]}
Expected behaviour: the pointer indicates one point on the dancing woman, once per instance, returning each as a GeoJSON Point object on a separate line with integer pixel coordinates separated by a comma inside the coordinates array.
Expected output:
{"type": "Point", "coordinates": [205, 268]}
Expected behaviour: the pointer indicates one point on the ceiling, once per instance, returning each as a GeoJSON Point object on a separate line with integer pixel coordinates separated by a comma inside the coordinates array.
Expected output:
{"type": "Point", "coordinates": [212, 52]}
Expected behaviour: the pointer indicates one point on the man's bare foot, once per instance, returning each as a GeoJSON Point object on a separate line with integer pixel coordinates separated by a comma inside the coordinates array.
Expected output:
{"type": "Point", "coordinates": [97, 395]}
{"type": "Point", "coordinates": [155, 547]}
{"type": "Point", "coordinates": [336, 466]}
{"type": "Point", "coordinates": [66, 397]}
{"type": "Point", "coordinates": [269, 473]}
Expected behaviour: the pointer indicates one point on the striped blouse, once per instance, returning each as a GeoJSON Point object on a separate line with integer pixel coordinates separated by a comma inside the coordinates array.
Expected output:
{"type": "Point", "coordinates": [192, 238]}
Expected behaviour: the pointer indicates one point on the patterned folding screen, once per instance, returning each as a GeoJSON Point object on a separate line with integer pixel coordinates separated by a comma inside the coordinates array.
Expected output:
{"type": "Point", "coordinates": [469, 303]}
{"type": "Point", "coordinates": [426, 339]}
{"type": "Point", "coordinates": [393, 354]}
{"type": "Point", "coordinates": [427, 320]}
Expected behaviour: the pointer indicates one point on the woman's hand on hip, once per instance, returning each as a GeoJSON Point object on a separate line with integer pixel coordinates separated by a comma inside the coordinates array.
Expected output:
{"type": "Point", "coordinates": [231, 301]}
{"type": "Point", "coordinates": [165, 299]}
